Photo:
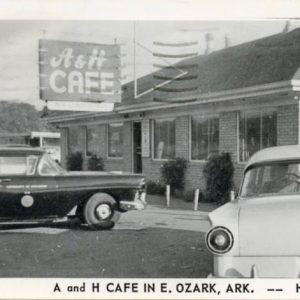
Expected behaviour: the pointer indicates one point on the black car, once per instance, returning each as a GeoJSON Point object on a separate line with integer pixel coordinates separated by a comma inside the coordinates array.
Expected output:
{"type": "Point", "coordinates": [34, 187]}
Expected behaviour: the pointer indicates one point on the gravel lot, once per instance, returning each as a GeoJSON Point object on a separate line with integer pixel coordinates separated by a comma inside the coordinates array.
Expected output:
{"type": "Point", "coordinates": [158, 242]}
{"type": "Point", "coordinates": [151, 252]}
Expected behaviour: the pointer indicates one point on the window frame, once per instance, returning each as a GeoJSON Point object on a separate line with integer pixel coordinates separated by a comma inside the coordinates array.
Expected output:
{"type": "Point", "coordinates": [153, 137]}
{"type": "Point", "coordinates": [209, 116]}
{"type": "Point", "coordinates": [107, 141]}
{"type": "Point", "coordinates": [253, 111]}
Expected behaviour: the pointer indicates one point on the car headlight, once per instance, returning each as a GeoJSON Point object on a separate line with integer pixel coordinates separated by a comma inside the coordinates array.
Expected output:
{"type": "Point", "coordinates": [219, 240]}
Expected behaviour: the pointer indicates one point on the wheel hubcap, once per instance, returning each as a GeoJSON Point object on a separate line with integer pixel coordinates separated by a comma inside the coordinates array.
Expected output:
{"type": "Point", "coordinates": [103, 211]}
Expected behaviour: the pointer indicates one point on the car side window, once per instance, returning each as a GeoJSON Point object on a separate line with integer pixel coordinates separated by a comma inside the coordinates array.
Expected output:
{"type": "Point", "coordinates": [47, 167]}
{"type": "Point", "coordinates": [14, 165]}
{"type": "Point", "coordinates": [31, 164]}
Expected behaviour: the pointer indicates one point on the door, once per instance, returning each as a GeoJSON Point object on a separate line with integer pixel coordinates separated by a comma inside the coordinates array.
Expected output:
{"type": "Point", "coordinates": [26, 197]}
{"type": "Point", "coordinates": [137, 147]}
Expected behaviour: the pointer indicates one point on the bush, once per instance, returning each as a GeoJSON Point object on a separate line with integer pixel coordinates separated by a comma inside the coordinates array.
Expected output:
{"type": "Point", "coordinates": [95, 163]}
{"type": "Point", "coordinates": [173, 171]}
{"type": "Point", "coordinates": [190, 195]}
{"type": "Point", "coordinates": [155, 188]}
{"type": "Point", "coordinates": [218, 174]}
{"type": "Point", "coordinates": [74, 161]}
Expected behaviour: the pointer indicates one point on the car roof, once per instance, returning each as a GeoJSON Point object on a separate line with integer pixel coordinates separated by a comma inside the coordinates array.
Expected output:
{"type": "Point", "coordinates": [20, 151]}
{"type": "Point", "coordinates": [279, 153]}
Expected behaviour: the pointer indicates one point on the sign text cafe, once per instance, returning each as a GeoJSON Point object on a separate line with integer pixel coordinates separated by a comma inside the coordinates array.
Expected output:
{"type": "Point", "coordinates": [71, 71]}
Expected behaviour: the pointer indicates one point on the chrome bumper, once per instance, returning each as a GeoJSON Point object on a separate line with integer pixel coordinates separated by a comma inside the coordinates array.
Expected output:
{"type": "Point", "coordinates": [253, 273]}
{"type": "Point", "coordinates": [139, 202]}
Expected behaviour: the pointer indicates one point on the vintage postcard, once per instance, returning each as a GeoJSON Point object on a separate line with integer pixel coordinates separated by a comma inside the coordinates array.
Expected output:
{"type": "Point", "coordinates": [149, 151]}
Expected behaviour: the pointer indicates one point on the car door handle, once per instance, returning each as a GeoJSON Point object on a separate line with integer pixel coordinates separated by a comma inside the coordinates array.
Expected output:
{"type": "Point", "coordinates": [5, 180]}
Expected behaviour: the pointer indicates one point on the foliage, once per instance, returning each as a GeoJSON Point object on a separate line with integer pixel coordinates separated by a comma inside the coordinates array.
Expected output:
{"type": "Point", "coordinates": [95, 163]}
{"type": "Point", "coordinates": [173, 172]}
{"type": "Point", "coordinates": [218, 173]}
{"type": "Point", "coordinates": [74, 161]}
{"type": "Point", "coordinates": [155, 188]}
{"type": "Point", "coordinates": [20, 117]}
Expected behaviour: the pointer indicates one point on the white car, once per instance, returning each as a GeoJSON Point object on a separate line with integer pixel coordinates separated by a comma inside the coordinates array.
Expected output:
{"type": "Point", "coordinates": [258, 233]}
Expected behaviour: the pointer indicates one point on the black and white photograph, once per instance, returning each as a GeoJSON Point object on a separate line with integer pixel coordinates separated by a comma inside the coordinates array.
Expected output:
{"type": "Point", "coordinates": [150, 149]}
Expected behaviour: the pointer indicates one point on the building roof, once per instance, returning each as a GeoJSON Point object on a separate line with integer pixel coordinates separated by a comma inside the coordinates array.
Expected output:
{"type": "Point", "coordinates": [267, 60]}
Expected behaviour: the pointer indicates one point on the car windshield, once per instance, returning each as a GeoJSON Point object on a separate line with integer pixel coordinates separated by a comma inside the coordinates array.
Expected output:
{"type": "Point", "coordinates": [48, 166]}
{"type": "Point", "coordinates": [280, 178]}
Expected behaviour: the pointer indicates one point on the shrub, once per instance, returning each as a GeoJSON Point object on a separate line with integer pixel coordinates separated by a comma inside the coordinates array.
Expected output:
{"type": "Point", "coordinates": [218, 174]}
{"type": "Point", "coordinates": [95, 163]}
{"type": "Point", "coordinates": [155, 188]}
{"type": "Point", "coordinates": [74, 161]}
{"type": "Point", "coordinates": [173, 171]}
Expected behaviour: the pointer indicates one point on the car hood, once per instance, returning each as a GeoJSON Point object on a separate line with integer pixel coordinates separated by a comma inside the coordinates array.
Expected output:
{"type": "Point", "coordinates": [269, 226]}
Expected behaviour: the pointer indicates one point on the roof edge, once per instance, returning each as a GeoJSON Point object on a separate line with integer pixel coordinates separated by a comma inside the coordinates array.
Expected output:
{"type": "Point", "coordinates": [252, 91]}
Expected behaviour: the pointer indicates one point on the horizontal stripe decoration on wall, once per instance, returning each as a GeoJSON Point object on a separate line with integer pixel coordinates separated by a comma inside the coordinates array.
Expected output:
{"type": "Point", "coordinates": [176, 71]}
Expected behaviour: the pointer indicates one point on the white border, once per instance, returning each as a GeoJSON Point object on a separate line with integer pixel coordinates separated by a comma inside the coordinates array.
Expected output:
{"type": "Point", "coordinates": [142, 10]}
{"type": "Point", "coordinates": [148, 9]}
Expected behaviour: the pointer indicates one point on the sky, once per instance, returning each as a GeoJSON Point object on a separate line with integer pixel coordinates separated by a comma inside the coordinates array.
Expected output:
{"type": "Point", "coordinates": [19, 76]}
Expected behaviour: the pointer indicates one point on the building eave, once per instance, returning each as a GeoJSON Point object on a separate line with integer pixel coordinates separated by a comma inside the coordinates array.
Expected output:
{"type": "Point", "coordinates": [241, 93]}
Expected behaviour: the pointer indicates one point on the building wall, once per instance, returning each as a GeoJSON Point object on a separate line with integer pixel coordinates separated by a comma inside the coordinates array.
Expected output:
{"type": "Point", "coordinates": [287, 133]}
{"type": "Point", "coordinates": [194, 177]}
{"type": "Point", "coordinates": [63, 145]}
{"type": "Point", "coordinates": [288, 124]}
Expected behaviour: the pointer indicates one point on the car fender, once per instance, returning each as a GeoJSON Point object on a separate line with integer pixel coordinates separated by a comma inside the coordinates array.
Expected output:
{"type": "Point", "coordinates": [228, 216]}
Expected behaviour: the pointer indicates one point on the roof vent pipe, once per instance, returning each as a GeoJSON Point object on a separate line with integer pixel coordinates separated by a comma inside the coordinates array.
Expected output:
{"type": "Point", "coordinates": [287, 27]}
{"type": "Point", "coordinates": [208, 41]}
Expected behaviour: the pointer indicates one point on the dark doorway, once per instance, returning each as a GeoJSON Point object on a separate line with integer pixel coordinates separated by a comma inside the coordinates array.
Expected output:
{"type": "Point", "coordinates": [137, 147]}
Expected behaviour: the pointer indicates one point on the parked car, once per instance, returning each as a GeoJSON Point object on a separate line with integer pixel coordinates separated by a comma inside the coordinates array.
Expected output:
{"type": "Point", "coordinates": [33, 187]}
{"type": "Point", "coordinates": [257, 234]}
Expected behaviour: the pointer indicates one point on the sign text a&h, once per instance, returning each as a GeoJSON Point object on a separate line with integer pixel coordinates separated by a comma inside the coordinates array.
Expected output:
{"type": "Point", "coordinates": [73, 71]}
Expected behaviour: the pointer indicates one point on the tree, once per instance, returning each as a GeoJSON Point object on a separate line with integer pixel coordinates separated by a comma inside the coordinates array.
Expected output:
{"type": "Point", "coordinates": [20, 117]}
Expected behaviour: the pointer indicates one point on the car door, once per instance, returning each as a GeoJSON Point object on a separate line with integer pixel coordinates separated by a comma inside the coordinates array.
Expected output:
{"type": "Point", "coordinates": [49, 173]}
{"type": "Point", "coordinates": [24, 194]}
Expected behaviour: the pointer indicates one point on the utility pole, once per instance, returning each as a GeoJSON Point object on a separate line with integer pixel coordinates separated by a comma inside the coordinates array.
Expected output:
{"type": "Point", "coordinates": [134, 61]}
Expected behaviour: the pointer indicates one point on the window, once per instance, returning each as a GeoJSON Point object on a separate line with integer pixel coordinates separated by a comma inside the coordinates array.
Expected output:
{"type": "Point", "coordinates": [164, 139]}
{"type": "Point", "coordinates": [74, 139]}
{"type": "Point", "coordinates": [92, 140]}
{"type": "Point", "coordinates": [18, 165]}
{"type": "Point", "coordinates": [257, 130]}
{"type": "Point", "coordinates": [48, 167]}
{"type": "Point", "coordinates": [204, 137]}
{"type": "Point", "coordinates": [115, 140]}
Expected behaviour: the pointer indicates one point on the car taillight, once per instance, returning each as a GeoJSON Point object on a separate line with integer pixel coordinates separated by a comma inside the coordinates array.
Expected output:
{"type": "Point", "coordinates": [219, 240]}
